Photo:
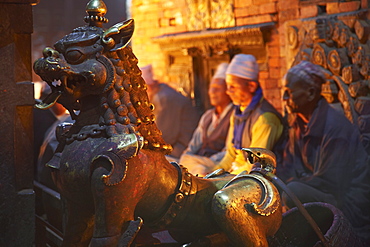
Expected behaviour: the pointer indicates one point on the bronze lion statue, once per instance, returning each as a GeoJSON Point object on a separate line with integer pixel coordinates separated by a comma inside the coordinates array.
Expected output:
{"type": "Point", "coordinates": [110, 165]}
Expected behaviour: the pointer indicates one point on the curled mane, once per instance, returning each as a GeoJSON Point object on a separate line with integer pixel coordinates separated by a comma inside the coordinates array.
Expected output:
{"type": "Point", "coordinates": [125, 104]}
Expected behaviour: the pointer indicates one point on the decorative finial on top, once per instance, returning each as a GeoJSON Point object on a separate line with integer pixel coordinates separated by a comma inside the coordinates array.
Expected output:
{"type": "Point", "coordinates": [96, 9]}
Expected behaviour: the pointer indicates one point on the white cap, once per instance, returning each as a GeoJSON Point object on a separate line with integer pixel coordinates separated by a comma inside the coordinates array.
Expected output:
{"type": "Point", "coordinates": [221, 71]}
{"type": "Point", "coordinates": [147, 74]}
{"type": "Point", "coordinates": [244, 66]}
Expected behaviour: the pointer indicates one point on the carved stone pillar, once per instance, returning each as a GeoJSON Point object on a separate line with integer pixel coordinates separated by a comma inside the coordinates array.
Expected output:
{"type": "Point", "coordinates": [16, 93]}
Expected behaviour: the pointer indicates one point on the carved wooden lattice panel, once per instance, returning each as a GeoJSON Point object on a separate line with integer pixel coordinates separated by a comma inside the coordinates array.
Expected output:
{"type": "Point", "coordinates": [203, 14]}
{"type": "Point", "coordinates": [182, 74]}
{"type": "Point", "coordinates": [342, 48]}
{"type": "Point", "coordinates": [222, 14]}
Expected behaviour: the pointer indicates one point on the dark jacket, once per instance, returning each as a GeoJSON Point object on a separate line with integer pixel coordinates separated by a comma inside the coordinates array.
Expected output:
{"type": "Point", "coordinates": [328, 155]}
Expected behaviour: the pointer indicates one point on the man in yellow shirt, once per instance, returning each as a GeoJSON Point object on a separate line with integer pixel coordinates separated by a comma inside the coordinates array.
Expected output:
{"type": "Point", "coordinates": [255, 122]}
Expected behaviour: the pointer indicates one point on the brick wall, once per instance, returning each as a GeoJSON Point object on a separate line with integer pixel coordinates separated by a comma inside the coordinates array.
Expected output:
{"type": "Point", "coordinates": [157, 17]}
{"type": "Point", "coordinates": [152, 19]}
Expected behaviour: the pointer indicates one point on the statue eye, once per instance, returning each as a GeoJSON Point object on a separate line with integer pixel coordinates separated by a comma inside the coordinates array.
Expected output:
{"type": "Point", "coordinates": [74, 56]}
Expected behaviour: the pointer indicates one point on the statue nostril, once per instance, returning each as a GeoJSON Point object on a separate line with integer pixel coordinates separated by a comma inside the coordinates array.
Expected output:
{"type": "Point", "coordinates": [49, 52]}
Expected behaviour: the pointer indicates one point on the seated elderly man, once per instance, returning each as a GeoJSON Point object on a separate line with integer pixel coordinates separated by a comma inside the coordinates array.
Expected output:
{"type": "Point", "coordinates": [324, 158]}
{"type": "Point", "coordinates": [208, 141]}
{"type": "Point", "coordinates": [255, 122]}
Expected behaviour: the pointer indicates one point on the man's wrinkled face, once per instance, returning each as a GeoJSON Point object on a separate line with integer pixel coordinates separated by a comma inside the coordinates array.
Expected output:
{"type": "Point", "coordinates": [217, 92]}
{"type": "Point", "coordinates": [240, 90]}
{"type": "Point", "coordinates": [295, 94]}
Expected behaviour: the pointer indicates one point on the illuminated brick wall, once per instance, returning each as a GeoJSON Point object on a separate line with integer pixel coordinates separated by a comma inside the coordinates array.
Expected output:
{"type": "Point", "coordinates": [156, 17]}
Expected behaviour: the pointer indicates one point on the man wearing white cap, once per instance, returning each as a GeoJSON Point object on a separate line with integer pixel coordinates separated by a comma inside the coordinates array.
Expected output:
{"type": "Point", "coordinates": [206, 146]}
{"type": "Point", "coordinates": [255, 122]}
{"type": "Point", "coordinates": [175, 115]}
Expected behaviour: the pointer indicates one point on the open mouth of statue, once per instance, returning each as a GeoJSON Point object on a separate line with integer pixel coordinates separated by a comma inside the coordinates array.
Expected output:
{"type": "Point", "coordinates": [66, 84]}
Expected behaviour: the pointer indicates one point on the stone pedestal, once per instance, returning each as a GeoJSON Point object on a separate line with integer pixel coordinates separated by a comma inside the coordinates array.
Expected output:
{"type": "Point", "coordinates": [16, 94]}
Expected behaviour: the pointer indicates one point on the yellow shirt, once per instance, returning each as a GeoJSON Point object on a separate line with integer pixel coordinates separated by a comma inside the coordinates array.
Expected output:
{"type": "Point", "coordinates": [264, 134]}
